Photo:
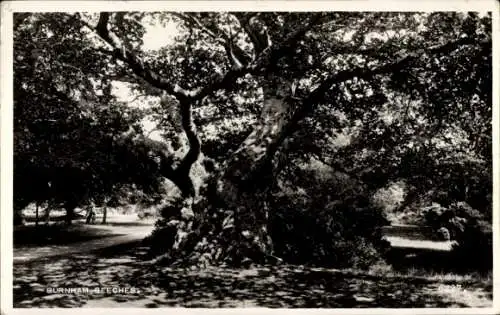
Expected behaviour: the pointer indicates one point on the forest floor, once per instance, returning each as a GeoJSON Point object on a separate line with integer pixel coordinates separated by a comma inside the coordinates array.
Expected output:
{"type": "Point", "coordinates": [119, 274]}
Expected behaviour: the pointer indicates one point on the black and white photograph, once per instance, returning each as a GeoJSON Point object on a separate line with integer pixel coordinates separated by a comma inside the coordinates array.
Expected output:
{"type": "Point", "coordinates": [262, 157]}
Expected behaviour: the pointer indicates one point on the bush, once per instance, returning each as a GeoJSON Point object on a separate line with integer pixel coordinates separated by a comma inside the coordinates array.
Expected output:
{"type": "Point", "coordinates": [475, 247]}
{"type": "Point", "coordinates": [341, 233]}
{"type": "Point", "coordinates": [472, 232]}
{"type": "Point", "coordinates": [163, 236]}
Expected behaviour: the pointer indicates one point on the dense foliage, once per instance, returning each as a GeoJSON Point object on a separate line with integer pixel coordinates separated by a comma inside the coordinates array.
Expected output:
{"type": "Point", "coordinates": [74, 141]}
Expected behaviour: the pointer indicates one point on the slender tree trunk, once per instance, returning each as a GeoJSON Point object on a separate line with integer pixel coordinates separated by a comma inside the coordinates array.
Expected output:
{"type": "Point", "coordinates": [47, 215]}
{"type": "Point", "coordinates": [87, 215]}
{"type": "Point", "coordinates": [36, 214]}
{"type": "Point", "coordinates": [70, 213]}
{"type": "Point", "coordinates": [104, 213]}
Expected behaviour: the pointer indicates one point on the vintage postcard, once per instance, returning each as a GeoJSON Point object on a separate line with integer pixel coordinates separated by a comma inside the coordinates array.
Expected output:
{"type": "Point", "coordinates": [325, 156]}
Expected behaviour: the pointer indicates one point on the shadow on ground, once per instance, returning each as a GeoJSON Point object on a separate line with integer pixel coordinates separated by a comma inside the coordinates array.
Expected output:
{"type": "Point", "coordinates": [125, 267]}
{"type": "Point", "coordinates": [133, 223]}
{"type": "Point", "coordinates": [57, 234]}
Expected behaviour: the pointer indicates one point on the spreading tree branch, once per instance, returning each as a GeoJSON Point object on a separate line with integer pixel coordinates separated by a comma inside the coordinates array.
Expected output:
{"type": "Point", "coordinates": [397, 65]}
{"type": "Point", "coordinates": [136, 64]}
{"type": "Point", "coordinates": [262, 63]}
{"type": "Point", "coordinates": [306, 105]}
{"type": "Point", "coordinates": [193, 21]}
{"type": "Point", "coordinates": [260, 41]}
{"type": "Point", "coordinates": [194, 142]}
{"type": "Point", "coordinates": [233, 51]}
{"type": "Point", "coordinates": [180, 176]}
{"type": "Point", "coordinates": [258, 66]}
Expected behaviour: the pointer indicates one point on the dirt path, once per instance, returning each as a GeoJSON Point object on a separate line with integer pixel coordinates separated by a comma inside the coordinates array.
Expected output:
{"type": "Point", "coordinates": [109, 236]}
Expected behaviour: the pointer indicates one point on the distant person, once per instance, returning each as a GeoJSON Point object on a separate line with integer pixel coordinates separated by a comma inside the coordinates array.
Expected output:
{"type": "Point", "coordinates": [91, 215]}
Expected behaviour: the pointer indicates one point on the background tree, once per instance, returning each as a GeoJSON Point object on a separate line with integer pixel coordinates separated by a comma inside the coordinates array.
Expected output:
{"type": "Point", "coordinates": [74, 142]}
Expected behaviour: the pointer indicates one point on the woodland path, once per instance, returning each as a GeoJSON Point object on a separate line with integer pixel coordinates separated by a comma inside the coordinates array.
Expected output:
{"type": "Point", "coordinates": [94, 237]}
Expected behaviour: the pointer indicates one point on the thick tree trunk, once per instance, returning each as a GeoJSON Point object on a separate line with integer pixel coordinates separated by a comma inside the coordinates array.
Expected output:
{"type": "Point", "coordinates": [230, 220]}
{"type": "Point", "coordinates": [245, 180]}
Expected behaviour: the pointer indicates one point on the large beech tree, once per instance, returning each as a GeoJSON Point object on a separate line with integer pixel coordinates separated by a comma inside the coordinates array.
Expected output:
{"type": "Point", "coordinates": [281, 77]}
